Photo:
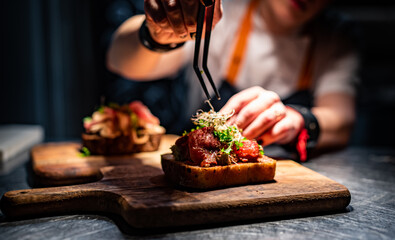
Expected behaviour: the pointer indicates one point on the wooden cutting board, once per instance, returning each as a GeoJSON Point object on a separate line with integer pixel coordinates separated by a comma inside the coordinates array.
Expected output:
{"type": "Point", "coordinates": [140, 194]}
{"type": "Point", "coordinates": [56, 164]}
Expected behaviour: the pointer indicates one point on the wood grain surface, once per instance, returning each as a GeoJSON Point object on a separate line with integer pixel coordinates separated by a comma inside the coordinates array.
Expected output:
{"type": "Point", "coordinates": [57, 164]}
{"type": "Point", "coordinates": [141, 195]}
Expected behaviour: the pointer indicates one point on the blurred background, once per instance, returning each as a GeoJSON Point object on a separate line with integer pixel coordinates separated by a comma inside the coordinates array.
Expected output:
{"type": "Point", "coordinates": [53, 67]}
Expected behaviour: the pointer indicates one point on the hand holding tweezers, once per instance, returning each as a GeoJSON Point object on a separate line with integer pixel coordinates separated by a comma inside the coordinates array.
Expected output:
{"type": "Point", "coordinates": [206, 12]}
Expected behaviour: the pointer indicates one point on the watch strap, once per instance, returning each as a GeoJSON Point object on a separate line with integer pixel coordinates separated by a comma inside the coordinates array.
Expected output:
{"type": "Point", "coordinates": [310, 124]}
{"type": "Point", "coordinates": [148, 42]}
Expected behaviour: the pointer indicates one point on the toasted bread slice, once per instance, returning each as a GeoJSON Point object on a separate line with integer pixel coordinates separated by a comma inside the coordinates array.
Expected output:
{"type": "Point", "coordinates": [219, 176]}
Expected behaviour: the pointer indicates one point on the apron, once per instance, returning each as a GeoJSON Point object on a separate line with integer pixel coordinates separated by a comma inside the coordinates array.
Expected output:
{"type": "Point", "coordinates": [303, 94]}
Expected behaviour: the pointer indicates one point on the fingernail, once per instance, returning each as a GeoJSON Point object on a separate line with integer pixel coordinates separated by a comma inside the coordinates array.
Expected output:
{"type": "Point", "coordinates": [183, 36]}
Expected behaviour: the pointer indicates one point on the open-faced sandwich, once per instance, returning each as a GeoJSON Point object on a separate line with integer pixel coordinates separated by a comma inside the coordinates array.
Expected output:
{"type": "Point", "coordinates": [115, 129]}
{"type": "Point", "coordinates": [215, 155]}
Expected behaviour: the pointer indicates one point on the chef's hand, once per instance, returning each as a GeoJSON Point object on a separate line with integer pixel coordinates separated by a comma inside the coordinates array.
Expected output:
{"type": "Point", "coordinates": [173, 21]}
{"type": "Point", "coordinates": [262, 116]}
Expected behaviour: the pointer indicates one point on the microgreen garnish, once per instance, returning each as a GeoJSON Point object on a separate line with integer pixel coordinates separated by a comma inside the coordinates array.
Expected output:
{"type": "Point", "coordinates": [101, 109]}
{"type": "Point", "coordinates": [228, 149]}
{"type": "Point", "coordinates": [238, 145]}
{"type": "Point", "coordinates": [228, 134]}
{"type": "Point", "coordinates": [261, 150]}
{"type": "Point", "coordinates": [212, 119]}
{"type": "Point", "coordinates": [193, 129]}
{"type": "Point", "coordinates": [113, 105]}
{"type": "Point", "coordinates": [134, 120]}
{"type": "Point", "coordinates": [87, 119]}
{"type": "Point", "coordinates": [84, 152]}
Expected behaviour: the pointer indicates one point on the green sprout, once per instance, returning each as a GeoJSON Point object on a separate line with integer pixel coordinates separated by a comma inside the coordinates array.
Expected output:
{"type": "Point", "coordinates": [84, 152]}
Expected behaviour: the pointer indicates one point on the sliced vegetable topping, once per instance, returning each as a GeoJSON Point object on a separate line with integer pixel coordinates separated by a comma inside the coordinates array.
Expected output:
{"type": "Point", "coordinates": [112, 120]}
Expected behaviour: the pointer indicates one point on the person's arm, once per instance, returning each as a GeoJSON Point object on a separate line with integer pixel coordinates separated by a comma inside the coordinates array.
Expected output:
{"type": "Point", "coordinates": [335, 113]}
{"type": "Point", "coordinates": [130, 59]}
{"type": "Point", "coordinates": [168, 22]}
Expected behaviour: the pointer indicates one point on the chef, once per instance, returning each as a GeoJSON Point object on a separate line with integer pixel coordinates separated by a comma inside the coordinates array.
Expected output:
{"type": "Point", "coordinates": [286, 67]}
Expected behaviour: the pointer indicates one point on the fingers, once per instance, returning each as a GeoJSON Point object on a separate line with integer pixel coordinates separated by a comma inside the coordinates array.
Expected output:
{"type": "Point", "coordinates": [217, 12]}
{"type": "Point", "coordinates": [158, 23]}
{"type": "Point", "coordinates": [190, 11]}
{"type": "Point", "coordinates": [165, 21]}
{"type": "Point", "coordinates": [155, 10]}
{"type": "Point", "coordinates": [263, 102]}
{"type": "Point", "coordinates": [156, 14]}
{"type": "Point", "coordinates": [171, 21]}
{"type": "Point", "coordinates": [251, 103]}
{"type": "Point", "coordinates": [265, 120]}
{"type": "Point", "coordinates": [262, 116]}
{"type": "Point", "coordinates": [282, 132]}
{"type": "Point", "coordinates": [175, 17]}
{"type": "Point", "coordinates": [239, 100]}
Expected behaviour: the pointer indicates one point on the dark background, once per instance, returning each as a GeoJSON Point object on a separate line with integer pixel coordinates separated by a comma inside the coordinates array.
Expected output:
{"type": "Point", "coordinates": [53, 66]}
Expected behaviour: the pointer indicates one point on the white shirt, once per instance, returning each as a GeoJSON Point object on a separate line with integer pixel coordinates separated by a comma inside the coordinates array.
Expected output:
{"type": "Point", "coordinates": [274, 62]}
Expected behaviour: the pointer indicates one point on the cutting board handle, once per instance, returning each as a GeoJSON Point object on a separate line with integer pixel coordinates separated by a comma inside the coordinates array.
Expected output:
{"type": "Point", "coordinates": [58, 200]}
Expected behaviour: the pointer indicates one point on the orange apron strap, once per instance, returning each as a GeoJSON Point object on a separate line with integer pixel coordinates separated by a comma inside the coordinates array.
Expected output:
{"type": "Point", "coordinates": [306, 73]}
{"type": "Point", "coordinates": [241, 43]}
{"type": "Point", "coordinates": [305, 79]}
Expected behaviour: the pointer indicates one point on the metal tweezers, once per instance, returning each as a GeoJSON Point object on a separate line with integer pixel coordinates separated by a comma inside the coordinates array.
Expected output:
{"type": "Point", "coordinates": [204, 6]}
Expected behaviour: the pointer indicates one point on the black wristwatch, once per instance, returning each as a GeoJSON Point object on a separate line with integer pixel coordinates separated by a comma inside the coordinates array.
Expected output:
{"type": "Point", "coordinates": [148, 42]}
{"type": "Point", "coordinates": [310, 124]}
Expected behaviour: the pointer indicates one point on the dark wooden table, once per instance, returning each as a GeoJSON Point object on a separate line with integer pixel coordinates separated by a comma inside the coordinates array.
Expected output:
{"type": "Point", "coordinates": [368, 173]}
